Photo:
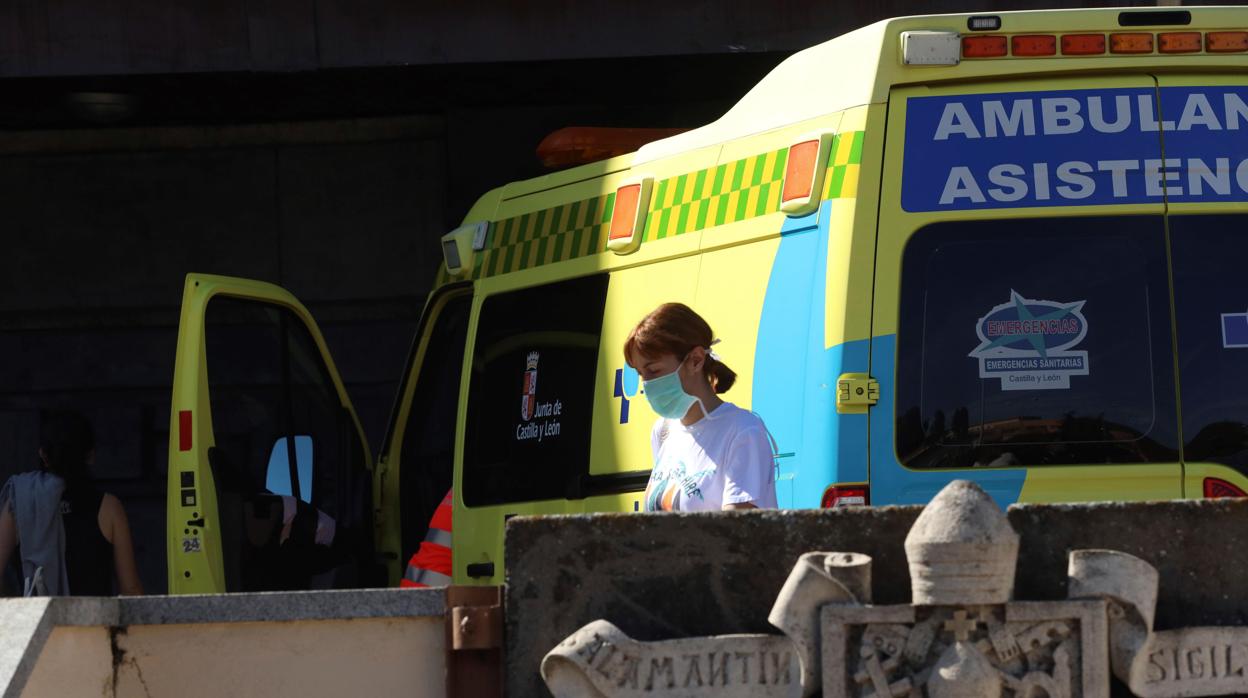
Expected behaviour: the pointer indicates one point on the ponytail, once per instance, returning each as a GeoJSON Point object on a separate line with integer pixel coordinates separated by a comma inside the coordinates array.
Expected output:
{"type": "Point", "coordinates": [722, 378]}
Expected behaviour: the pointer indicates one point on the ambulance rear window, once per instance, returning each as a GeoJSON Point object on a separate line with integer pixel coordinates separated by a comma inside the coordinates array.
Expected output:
{"type": "Point", "coordinates": [531, 392]}
{"type": "Point", "coordinates": [1211, 308]}
{"type": "Point", "coordinates": [1035, 342]}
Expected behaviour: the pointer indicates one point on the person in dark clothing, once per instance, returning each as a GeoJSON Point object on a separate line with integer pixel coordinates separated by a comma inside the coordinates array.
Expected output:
{"type": "Point", "coordinates": [74, 537]}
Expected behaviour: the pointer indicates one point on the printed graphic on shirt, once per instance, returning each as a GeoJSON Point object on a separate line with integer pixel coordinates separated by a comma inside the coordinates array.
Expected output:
{"type": "Point", "coordinates": [671, 486]}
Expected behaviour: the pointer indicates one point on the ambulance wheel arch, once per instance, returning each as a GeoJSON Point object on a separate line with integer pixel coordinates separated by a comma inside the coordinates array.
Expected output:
{"type": "Point", "coordinates": [197, 561]}
{"type": "Point", "coordinates": [994, 162]}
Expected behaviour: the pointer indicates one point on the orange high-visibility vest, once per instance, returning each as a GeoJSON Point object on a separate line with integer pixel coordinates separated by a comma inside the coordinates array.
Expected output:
{"type": "Point", "coordinates": [430, 565]}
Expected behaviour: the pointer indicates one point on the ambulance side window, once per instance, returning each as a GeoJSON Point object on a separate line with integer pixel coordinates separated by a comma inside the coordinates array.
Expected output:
{"type": "Point", "coordinates": [1211, 310]}
{"type": "Point", "coordinates": [531, 392]}
{"type": "Point", "coordinates": [1035, 342]}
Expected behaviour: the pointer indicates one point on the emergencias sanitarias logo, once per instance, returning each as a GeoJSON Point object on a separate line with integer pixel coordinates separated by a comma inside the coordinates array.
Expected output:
{"type": "Point", "coordinates": [1028, 344]}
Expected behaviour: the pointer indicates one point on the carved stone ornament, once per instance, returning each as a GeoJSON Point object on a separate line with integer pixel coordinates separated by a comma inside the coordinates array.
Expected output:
{"type": "Point", "coordinates": [962, 635]}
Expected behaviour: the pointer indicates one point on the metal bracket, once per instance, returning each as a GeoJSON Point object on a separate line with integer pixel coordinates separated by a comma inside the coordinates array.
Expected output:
{"type": "Point", "coordinates": [474, 641]}
{"type": "Point", "coordinates": [476, 627]}
{"type": "Point", "coordinates": [856, 392]}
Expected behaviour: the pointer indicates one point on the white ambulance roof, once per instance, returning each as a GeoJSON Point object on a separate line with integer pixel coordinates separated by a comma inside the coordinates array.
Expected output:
{"type": "Point", "coordinates": [823, 79]}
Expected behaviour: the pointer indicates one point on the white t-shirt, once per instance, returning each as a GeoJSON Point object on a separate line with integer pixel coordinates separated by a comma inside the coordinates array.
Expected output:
{"type": "Point", "coordinates": [723, 458]}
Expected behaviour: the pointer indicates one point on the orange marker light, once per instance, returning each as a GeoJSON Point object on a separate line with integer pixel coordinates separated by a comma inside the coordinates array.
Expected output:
{"type": "Point", "coordinates": [986, 46]}
{"type": "Point", "coordinates": [1131, 42]}
{"type": "Point", "coordinates": [628, 217]}
{"type": "Point", "coordinates": [1226, 42]}
{"type": "Point", "coordinates": [1083, 44]}
{"type": "Point", "coordinates": [804, 169]}
{"type": "Point", "coordinates": [1179, 42]}
{"type": "Point", "coordinates": [625, 212]}
{"type": "Point", "coordinates": [1033, 45]}
{"type": "Point", "coordinates": [799, 171]}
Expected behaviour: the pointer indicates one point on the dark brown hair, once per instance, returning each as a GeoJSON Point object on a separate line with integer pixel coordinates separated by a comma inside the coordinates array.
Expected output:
{"type": "Point", "coordinates": [67, 441]}
{"type": "Point", "coordinates": [673, 328]}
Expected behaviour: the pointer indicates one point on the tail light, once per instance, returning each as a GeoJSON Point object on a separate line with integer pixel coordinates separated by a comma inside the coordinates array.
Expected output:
{"type": "Point", "coordinates": [1215, 488]}
{"type": "Point", "coordinates": [840, 496]}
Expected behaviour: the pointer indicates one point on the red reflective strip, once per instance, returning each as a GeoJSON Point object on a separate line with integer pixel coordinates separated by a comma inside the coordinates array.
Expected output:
{"type": "Point", "coordinates": [441, 518]}
{"type": "Point", "coordinates": [431, 556]}
{"type": "Point", "coordinates": [184, 430]}
{"type": "Point", "coordinates": [409, 584]}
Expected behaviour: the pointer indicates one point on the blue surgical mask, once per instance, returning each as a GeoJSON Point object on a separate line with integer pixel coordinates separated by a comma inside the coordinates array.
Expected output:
{"type": "Point", "coordinates": [668, 397]}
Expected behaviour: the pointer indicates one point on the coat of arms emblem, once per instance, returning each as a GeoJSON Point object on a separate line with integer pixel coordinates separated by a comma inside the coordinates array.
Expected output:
{"type": "Point", "coordinates": [528, 397]}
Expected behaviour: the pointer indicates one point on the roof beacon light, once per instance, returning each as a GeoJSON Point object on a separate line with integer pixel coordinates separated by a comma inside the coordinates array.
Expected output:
{"type": "Point", "coordinates": [984, 23]}
{"type": "Point", "coordinates": [1033, 45]}
{"type": "Point", "coordinates": [1083, 44]}
{"type": "Point", "coordinates": [1226, 42]}
{"type": "Point", "coordinates": [628, 218]}
{"type": "Point", "coordinates": [803, 173]}
{"type": "Point", "coordinates": [929, 48]}
{"type": "Point", "coordinates": [1179, 42]}
{"type": "Point", "coordinates": [459, 244]}
{"type": "Point", "coordinates": [986, 46]}
{"type": "Point", "coordinates": [1131, 42]}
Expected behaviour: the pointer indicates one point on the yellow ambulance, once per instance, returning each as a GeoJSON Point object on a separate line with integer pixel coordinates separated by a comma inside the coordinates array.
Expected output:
{"type": "Point", "coordinates": [991, 247]}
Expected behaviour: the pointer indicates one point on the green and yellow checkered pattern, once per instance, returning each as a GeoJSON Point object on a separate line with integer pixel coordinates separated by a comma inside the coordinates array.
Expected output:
{"type": "Point", "coordinates": [727, 193]}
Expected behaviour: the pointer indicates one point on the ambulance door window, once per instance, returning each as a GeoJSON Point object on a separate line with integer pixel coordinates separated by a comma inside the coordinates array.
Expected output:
{"type": "Point", "coordinates": [243, 343]}
{"type": "Point", "coordinates": [1211, 311]}
{"type": "Point", "coordinates": [427, 458]}
{"type": "Point", "coordinates": [1035, 342]}
{"type": "Point", "coordinates": [531, 393]}
{"type": "Point", "coordinates": [268, 384]}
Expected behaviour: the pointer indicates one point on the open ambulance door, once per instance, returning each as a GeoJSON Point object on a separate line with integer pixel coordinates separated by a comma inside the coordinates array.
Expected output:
{"type": "Point", "coordinates": [418, 455]}
{"type": "Point", "coordinates": [269, 474]}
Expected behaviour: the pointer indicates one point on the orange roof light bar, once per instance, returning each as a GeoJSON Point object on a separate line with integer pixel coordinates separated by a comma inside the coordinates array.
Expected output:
{"type": "Point", "coordinates": [1131, 42]}
{"type": "Point", "coordinates": [1033, 45]}
{"type": "Point", "coordinates": [1083, 44]}
{"type": "Point", "coordinates": [1179, 42]}
{"type": "Point", "coordinates": [1226, 42]}
{"type": "Point", "coordinates": [983, 46]}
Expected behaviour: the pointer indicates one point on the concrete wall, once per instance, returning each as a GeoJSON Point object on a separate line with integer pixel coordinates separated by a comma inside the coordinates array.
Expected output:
{"type": "Point", "coordinates": [680, 575]}
{"type": "Point", "coordinates": [311, 644]}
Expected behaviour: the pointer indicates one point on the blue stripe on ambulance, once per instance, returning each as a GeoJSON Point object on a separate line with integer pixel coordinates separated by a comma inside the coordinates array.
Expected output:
{"type": "Point", "coordinates": [795, 376]}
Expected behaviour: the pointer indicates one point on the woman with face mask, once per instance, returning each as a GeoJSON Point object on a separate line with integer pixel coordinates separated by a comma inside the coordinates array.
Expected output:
{"type": "Point", "coordinates": [708, 454]}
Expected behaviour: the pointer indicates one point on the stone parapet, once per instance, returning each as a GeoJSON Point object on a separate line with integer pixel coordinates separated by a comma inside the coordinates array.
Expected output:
{"type": "Point", "coordinates": [684, 575]}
